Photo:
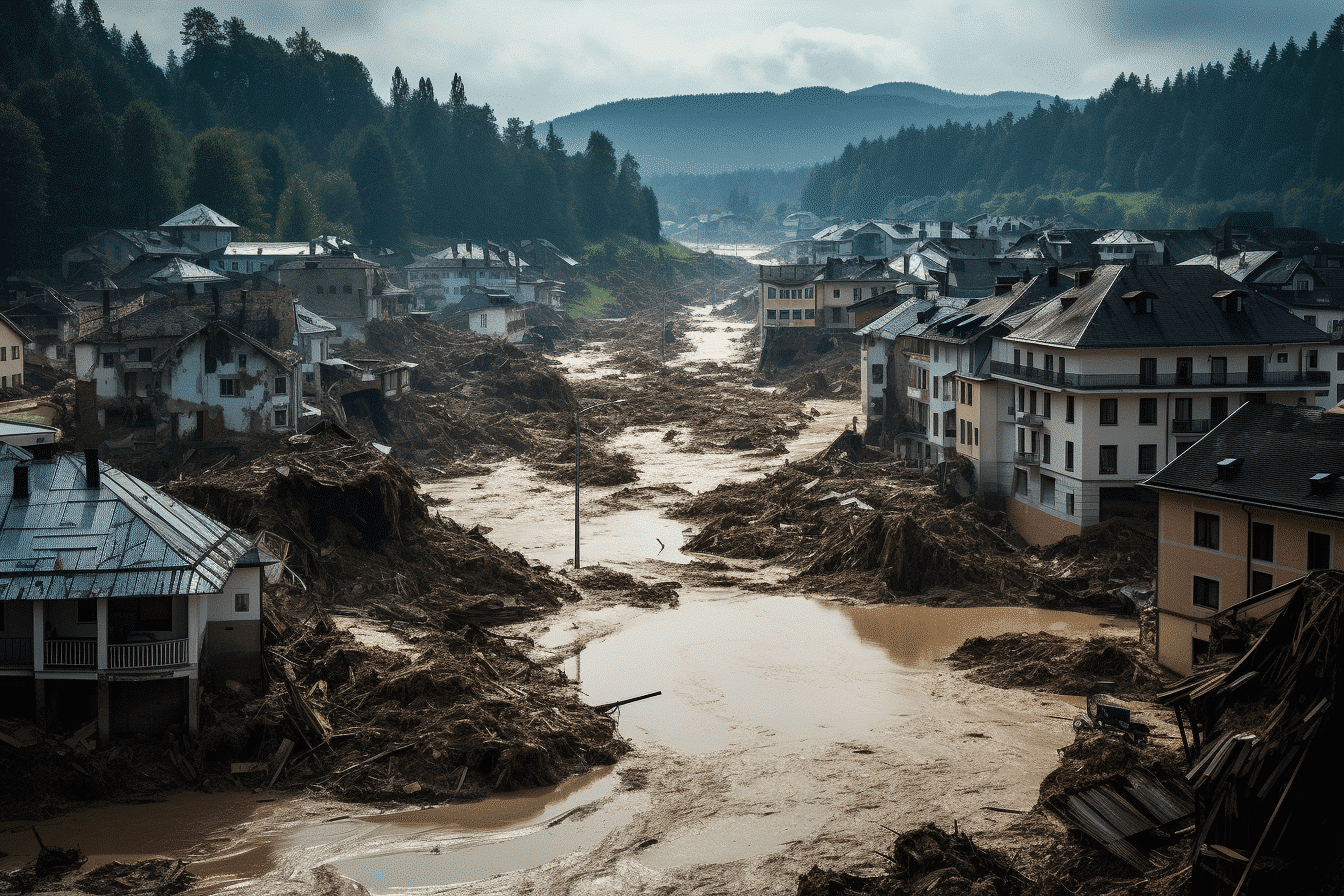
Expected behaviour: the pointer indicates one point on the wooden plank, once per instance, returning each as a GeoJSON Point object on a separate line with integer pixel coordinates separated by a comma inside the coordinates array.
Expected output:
{"type": "Point", "coordinates": [243, 768]}
{"type": "Point", "coordinates": [281, 756]}
{"type": "Point", "coordinates": [74, 740]}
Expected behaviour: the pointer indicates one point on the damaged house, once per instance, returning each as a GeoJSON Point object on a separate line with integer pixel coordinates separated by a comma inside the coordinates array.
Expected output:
{"type": "Point", "coordinates": [185, 377]}
{"type": "Point", "coordinates": [115, 599]}
{"type": "Point", "coordinates": [346, 290]}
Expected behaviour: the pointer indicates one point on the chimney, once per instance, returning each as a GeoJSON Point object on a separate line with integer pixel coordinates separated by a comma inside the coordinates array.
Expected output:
{"type": "Point", "coordinates": [973, 230]}
{"type": "Point", "coordinates": [312, 247]}
{"type": "Point", "coordinates": [20, 482]}
{"type": "Point", "coordinates": [1083, 277]}
{"type": "Point", "coordinates": [454, 250]}
{"type": "Point", "coordinates": [1052, 273]}
{"type": "Point", "coordinates": [107, 305]}
{"type": "Point", "coordinates": [92, 476]}
{"type": "Point", "coordinates": [906, 260]}
{"type": "Point", "coordinates": [468, 247]}
{"type": "Point", "coordinates": [242, 309]}
{"type": "Point", "coordinates": [214, 294]}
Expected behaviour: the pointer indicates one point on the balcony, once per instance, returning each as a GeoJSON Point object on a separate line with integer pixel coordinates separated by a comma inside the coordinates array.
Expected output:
{"type": "Point", "coordinates": [1185, 427]}
{"type": "Point", "coordinates": [16, 653]}
{"type": "Point", "coordinates": [71, 653]}
{"type": "Point", "coordinates": [1027, 459]}
{"type": "Point", "coordinates": [1035, 421]}
{"type": "Point", "coordinates": [1111, 381]}
{"type": "Point", "coordinates": [917, 394]}
{"type": "Point", "coordinates": [147, 655]}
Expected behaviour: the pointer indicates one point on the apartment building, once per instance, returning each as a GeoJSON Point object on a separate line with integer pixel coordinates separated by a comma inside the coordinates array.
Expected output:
{"type": "Point", "coordinates": [1252, 506]}
{"type": "Point", "coordinates": [1099, 388]}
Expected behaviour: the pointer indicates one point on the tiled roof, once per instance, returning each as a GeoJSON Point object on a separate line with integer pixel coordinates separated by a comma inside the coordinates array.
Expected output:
{"type": "Point", "coordinates": [157, 320]}
{"type": "Point", "coordinates": [123, 539]}
{"type": "Point", "coordinates": [199, 216]}
{"type": "Point", "coordinates": [1280, 449]}
{"type": "Point", "coordinates": [1185, 312]}
{"type": "Point", "coordinates": [179, 271]}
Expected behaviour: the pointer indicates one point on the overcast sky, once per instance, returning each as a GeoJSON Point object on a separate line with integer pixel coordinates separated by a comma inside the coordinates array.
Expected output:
{"type": "Point", "coordinates": [540, 59]}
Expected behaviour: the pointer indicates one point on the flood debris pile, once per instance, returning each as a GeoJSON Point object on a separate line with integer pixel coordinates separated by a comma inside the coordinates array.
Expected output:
{"type": "Point", "coordinates": [856, 522]}
{"type": "Point", "coordinates": [474, 398]}
{"type": "Point", "coordinates": [59, 870]}
{"type": "Point", "coordinates": [356, 532]}
{"type": "Point", "coordinates": [625, 587]}
{"type": "Point", "coordinates": [597, 466]}
{"type": "Point", "coordinates": [1061, 664]}
{"type": "Point", "coordinates": [1261, 733]}
{"type": "Point", "coordinates": [926, 860]}
{"type": "Point", "coordinates": [460, 714]}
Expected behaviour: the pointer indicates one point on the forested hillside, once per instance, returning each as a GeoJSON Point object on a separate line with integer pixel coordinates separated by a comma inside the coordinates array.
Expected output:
{"type": "Point", "coordinates": [1255, 134]}
{"type": "Point", "coordinates": [288, 139]}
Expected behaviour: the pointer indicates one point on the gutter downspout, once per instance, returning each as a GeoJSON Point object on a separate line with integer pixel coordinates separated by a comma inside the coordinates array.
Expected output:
{"type": "Point", "coordinates": [1247, 511]}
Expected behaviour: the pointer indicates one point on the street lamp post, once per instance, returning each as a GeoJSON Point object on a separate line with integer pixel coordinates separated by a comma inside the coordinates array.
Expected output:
{"type": "Point", "coordinates": [577, 430]}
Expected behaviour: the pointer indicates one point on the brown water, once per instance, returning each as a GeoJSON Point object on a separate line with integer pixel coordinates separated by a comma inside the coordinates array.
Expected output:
{"type": "Point", "coordinates": [776, 686]}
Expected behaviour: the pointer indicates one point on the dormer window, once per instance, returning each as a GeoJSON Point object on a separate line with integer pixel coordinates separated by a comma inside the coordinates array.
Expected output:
{"type": "Point", "coordinates": [1322, 483]}
{"type": "Point", "coordinates": [1140, 302]}
{"type": "Point", "coordinates": [1228, 468]}
{"type": "Point", "coordinates": [1231, 301]}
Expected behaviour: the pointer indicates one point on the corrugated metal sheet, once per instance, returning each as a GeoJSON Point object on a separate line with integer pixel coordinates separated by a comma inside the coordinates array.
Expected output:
{"type": "Point", "coordinates": [124, 539]}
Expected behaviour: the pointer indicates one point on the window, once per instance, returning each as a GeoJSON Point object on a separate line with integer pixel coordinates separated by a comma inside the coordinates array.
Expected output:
{"type": "Point", "coordinates": [837, 315]}
{"type": "Point", "coordinates": [1185, 368]}
{"type": "Point", "coordinates": [346, 289]}
{"type": "Point", "coordinates": [241, 602]}
{"type": "Point", "coordinates": [807, 293]}
{"type": "Point", "coordinates": [1261, 582]}
{"type": "Point", "coordinates": [1068, 503]}
{"type": "Point", "coordinates": [1147, 411]}
{"type": "Point", "coordinates": [1110, 411]}
{"type": "Point", "coordinates": [1045, 448]}
{"type": "Point", "coordinates": [877, 374]}
{"type": "Point", "coordinates": [858, 293]}
{"type": "Point", "coordinates": [770, 292]}
{"type": "Point", "coordinates": [1031, 361]}
{"type": "Point", "coordinates": [1318, 550]}
{"type": "Point", "coordinates": [1218, 371]}
{"type": "Point", "coordinates": [2, 353]}
{"type": "Point", "coordinates": [1021, 399]}
{"type": "Point", "coordinates": [1032, 400]}
{"type": "Point", "coordinates": [228, 387]}
{"type": "Point", "coordinates": [1147, 458]}
{"type": "Point", "coordinates": [1068, 409]}
{"type": "Point", "coordinates": [1339, 360]}
{"type": "Point", "coordinates": [1206, 592]}
{"type": "Point", "coordinates": [1048, 491]}
{"type": "Point", "coordinates": [1147, 371]}
{"type": "Point", "coordinates": [797, 314]}
{"type": "Point", "coordinates": [109, 359]}
{"type": "Point", "coordinates": [1312, 358]}
{"type": "Point", "coordinates": [281, 416]}
{"type": "Point", "coordinates": [1045, 405]}
{"type": "Point", "coordinates": [835, 293]}
{"type": "Point", "coordinates": [1309, 319]}
{"type": "Point", "coordinates": [485, 320]}
{"type": "Point", "coordinates": [1185, 409]}
{"type": "Point", "coordinates": [235, 265]}
{"type": "Point", "coordinates": [242, 362]}
{"type": "Point", "coordinates": [1262, 542]}
{"type": "Point", "coordinates": [1206, 530]}
{"type": "Point", "coordinates": [282, 385]}
{"type": "Point", "coordinates": [810, 314]}
{"type": "Point", "coordinates": [970, 393]}
{"type": "Point", "coordinates": [1217, 409]}
{"type": "Point", "coordinates": [1109, 459]}
{"type": "Point", "coordinates": [769, 314]}
{"type": "Point", "coordinates": [1020, 483]}
{"type": "Point", "coordinates": [1017, 359]}
{"type": "Point", "coordinates": [977, 435]}
{"type": "Point", "coordinates": [1068, 456]}
{"type": "Point", "coordinates": [1283, 358]}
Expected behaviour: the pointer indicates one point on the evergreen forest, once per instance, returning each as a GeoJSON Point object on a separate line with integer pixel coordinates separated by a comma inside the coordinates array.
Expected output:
{"type": "Point", "coordinates": [287, 139]}
{"type": "Point", "coordinates": [1256, 134]}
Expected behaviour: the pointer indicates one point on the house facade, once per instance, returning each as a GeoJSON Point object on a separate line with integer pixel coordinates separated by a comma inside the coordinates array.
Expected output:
{"type": "Point", "coordinates": [345, 290]}
{"type": "Point", "coordinates": [443, 278]}
{"type": "Point", "coordinates": [788, 295]}
{"type": "Point", "coordinates": [202, 228]}
{"type": "Point", "coordinates": [12, 340]}
{"type": "Point", "coordinates": [1254, 505]}
{"type": "Point", "coordinates": [1099, 388]}
{"type": "Point", "coordinates": [186, 378]}
{"type": "Point", "coordinates": [115, 600]}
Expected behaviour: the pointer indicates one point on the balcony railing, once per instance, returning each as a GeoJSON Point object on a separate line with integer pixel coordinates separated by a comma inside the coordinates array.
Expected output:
{"type": "Point", "coordinates": [1027, 458]}
{"type": "Point", "coordinates": [1191, 426]}
{"type": "Point", "coordinates": [78, 652]}
{"type": "Point", "coordinates": [1274, 380]}
{"type": "Point", "coordinates": [16, 653]}
{"type": "Point", "coordinates": [147, 655]}
{"type": "Point", "coordinates": [1032, 420]}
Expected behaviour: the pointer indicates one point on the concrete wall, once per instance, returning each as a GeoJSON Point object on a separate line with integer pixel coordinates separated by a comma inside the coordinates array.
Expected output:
{"type": "Point", "coordinates": [1036, 525]}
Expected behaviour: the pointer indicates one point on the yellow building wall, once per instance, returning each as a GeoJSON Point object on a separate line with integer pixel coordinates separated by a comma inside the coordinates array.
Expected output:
{"type": "Point", "coordinates": [1037, 526]}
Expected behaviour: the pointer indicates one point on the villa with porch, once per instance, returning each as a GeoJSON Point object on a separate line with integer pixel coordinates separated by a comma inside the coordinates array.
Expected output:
{"type": "Point", "coordinates": [115, 599]}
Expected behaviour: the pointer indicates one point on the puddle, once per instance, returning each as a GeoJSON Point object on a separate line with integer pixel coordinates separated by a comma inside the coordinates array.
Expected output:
{"type": "Point", "coordinates": [130, 832]}
{"type": "Point", "coordinates": [778, 671]}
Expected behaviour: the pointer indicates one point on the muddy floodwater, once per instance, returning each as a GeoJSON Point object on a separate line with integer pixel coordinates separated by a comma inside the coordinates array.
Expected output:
{"type": "Point", "coordinates": [789, 729]}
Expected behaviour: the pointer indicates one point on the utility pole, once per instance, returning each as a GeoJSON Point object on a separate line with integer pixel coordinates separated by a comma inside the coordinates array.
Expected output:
{"type": "Point", "coordinates": [577, 431]}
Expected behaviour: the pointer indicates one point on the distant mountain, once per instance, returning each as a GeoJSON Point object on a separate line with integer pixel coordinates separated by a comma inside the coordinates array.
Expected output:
{"type": "Point", "coordinates": [709, 133]}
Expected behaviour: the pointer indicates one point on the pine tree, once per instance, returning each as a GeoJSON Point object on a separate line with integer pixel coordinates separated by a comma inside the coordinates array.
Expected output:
{"type": "Point", "coordinates": [221, 177]}
{"type": "Point", "coordinates": [149, 196]}
{"type": "Point", "coordinates": [296, 218]}
{"type": "Point", "coordinates": [384, 212]}
{"type": "Point", "coordinates": [23, 185]}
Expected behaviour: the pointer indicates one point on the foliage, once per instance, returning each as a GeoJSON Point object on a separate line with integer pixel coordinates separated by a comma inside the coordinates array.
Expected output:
{"type": "Point", "coordinates": [235, 116]}
{"type": "Point", "coordinates": [1203, 138]}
